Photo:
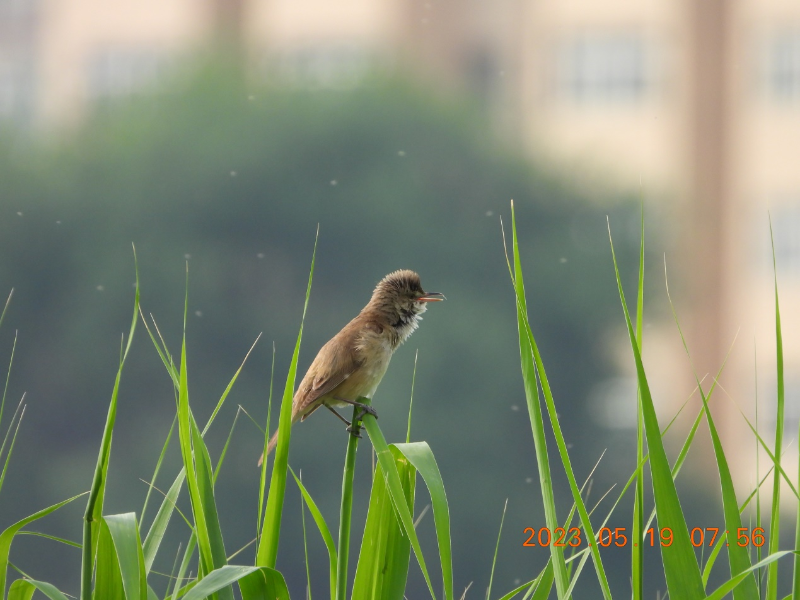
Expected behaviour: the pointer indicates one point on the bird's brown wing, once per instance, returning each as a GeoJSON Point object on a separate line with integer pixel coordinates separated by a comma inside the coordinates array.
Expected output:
{"type": "Point", "coordinates": [335, 362]}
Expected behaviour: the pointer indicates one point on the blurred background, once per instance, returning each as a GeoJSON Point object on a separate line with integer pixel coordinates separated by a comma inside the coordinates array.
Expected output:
{"type": "Point", "coordinates": [221, 133]}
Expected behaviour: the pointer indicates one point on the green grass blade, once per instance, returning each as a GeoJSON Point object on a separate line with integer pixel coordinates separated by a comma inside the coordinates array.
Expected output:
{"type": "Point", "coordinates": [124, 533]}
{"type": "Point", "coordinates": [731, 584]}
{"type": "Point", "coordinates": [5, 306]}
{"type": "Point", "coordinates": [13, 441]}
{"type": "Point", "coordinates": [540, 582]}
{"type": "Point", "coordinates": [305, 545]}
{"type": "Point", "coordinates": [8, 535]}
{"type": "Point", "coordinates": [187, 557]}
{"type": "Point", "coordinates": [23, 589]}
{"type": "Point", "coordinates": [383, 561]}
{"type": "Point", "coordinates": [8, 378]}
{"type": "Point", "coordinates": [496, 548]}
{"type": "Point", "coordinates": [94, 506]}
{"type": "Point", "coordinates": [270, 533]}
{"type": "Point", "coordinates": [108, 577]}
{"type": "Point", "coordinates": [637, 528]}
{"type": "Point", "coordinates": [421, 456]}
{"type": "Point", "coordinates": [268, 585]}
{"type": "Point", "coordinates": [738, 557]}
{"type": "Point", "coordinates": [346, 512]}
{"type": "Point", "coordinates": [389, 470]}
{"type": "Point", "coordinates": [680, 566]}
{"type": "Point", "coordinates": [775, 517]}
{"type": "Point", "coordinates": [263, 584]}
{"type": "Point", "coordinates": [51, 537]}
{"type": "Point", "coordinates": [323, 530]}
{"type": "Point", "coordinates": [530, 346]}
{"type": "Point", "coordinates": [157, 470]}
{"type": "Point", "coordinates": [263, 476]}
{"type": "Point", "coordinates": [537, 422]}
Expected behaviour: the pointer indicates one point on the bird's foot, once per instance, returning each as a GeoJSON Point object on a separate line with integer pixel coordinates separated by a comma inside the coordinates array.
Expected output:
{"type": "Point", "coordinates": [355, 430]}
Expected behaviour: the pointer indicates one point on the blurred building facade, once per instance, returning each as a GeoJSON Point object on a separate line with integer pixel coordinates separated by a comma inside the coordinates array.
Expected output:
{"type": "Point", "coordinates": [697, 103]}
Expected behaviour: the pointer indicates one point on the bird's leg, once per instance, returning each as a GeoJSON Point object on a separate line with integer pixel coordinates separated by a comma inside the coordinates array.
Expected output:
{"type": "Point", "coordinates": [345, 421]}
{"type": "Point", "coordinates": [366, 409]}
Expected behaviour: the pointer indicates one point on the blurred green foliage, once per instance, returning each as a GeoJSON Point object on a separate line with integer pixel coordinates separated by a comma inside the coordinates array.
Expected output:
{"type": "Point", "coordinates": [233, 178]}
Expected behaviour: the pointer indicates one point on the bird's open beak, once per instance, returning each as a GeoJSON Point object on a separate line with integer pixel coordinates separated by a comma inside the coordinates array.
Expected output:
{"type": "Point", "coordinates": [432, 297]}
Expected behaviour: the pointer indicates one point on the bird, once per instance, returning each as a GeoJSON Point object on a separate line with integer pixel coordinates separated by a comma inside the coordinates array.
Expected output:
{"type": "Point", "coordinates": [353, 362]}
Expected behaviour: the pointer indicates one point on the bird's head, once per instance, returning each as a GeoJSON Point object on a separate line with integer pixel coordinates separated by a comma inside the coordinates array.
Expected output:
{"type": "Point", "coordinates": [400, 298]}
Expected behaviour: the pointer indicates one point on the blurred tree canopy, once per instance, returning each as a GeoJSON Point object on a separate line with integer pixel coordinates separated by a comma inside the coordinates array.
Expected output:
{"type": "Point", "coordinates": [233, 178]}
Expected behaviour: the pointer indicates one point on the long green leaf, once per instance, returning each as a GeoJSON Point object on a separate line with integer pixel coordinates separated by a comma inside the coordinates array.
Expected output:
{"type": "Point", "coordinates": [775, 517]}
{"type": "Point", "coordinates": [23, 589]}
{"type": "Point", "coordinates": [268, 585]}
{"type": "Point", "coordinates": [532, 347]}
{"type": "Point", "coordinates": [637, 529]}
{"type": "Point", "coordinates": [8, 536]}
{"type": "Point", "coordinates": [680, 566]}
{"type": "Point", "coordinates": [731, 584]}
{"type": "Point", "coordinates": [738, 558]}
{"type": "Point", "coordinates": [386, 460]}
{"type": "Point", "coordinates": [94, 506]}
{"type": "Point", "coordinates": [124, 533]}
{"type": "Point", "coordinates": [421, 456]}
{"type": "Point", "coordinates": [385, 551]}
{"type": "Point", "coordinates": [268, 544]}
{"type": "Point", "coordinates": [537, 426]}
{"type": "Point", "coordinates": [323, 530]}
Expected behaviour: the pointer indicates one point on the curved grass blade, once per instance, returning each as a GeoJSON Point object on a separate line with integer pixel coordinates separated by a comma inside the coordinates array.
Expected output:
{"type": "Point", "coordinates": [383, 561]}
{"type": "Point", "coordinates": [420, 455]}
{"type": "Point", "coordinates": [389, 470]}
{"type": "Point", "coordinates": [270, 532]}
{"type": "Point", "coordinates": [8, 535]}
{"type": "Point", "coordinates": [323, 530]}
{"type": "Point", "coordinates": [187, 557]}
{"type": "Point", "coordinates": [731, 584]}
{"type": "Point", "coordinates": [637, 529]}
{"type": "Point", "coordinates": [680, 566]}
{"type": "Point", "coordinates": [255, 583]}
{"type": "Point", "coordinates": [537, 422]}
{"type": "Point", "coordinates": [496, 548]}
{"type": "Point", "coordinates": [738, 558]}
{"type": "Point", "coordinates": [159, 526]}
{"type": "Point", "coordinates": [124, 533]}
{"type": "Point", "coordinates": [157, 470]}
{"type": "Point", "coordinates": [528, 346]}
{"type": "Point", "coordinates": [775, 517]}
{"type": "Point", "coordinates": [23, 589]}
{"type": "Point", "coordinates": [94, 506]}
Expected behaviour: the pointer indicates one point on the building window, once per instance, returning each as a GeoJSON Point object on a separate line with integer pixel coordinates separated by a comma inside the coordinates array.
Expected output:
{"type": "Point", "coordinates": [603, 68]}
{"type": "Point", "coordinates": [123, 72]}
{"type": "Point", "coordinates": [783, 66]}
{"type": "Point", "coordinates": [324, 65]}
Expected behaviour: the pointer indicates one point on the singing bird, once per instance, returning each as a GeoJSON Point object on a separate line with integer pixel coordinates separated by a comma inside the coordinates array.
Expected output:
{"type": "Point", "coordinates": [353, 362]}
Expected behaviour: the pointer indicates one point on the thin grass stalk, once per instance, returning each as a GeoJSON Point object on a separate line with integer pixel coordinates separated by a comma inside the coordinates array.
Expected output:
{"type": "Point", "coordinates": [346, 512]}
{"type": "Point", "coordinates": [774, 522]}
{"type": "Point", "coordinates": [637, 530]}
{"type": "Point", "coordinates": [267, 554]}
{"type": "Point", "coordinates": [758, 473]}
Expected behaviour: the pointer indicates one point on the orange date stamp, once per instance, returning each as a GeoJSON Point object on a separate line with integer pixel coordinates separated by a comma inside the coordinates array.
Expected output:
{"type": "Point", "coordinates": [572, 537]}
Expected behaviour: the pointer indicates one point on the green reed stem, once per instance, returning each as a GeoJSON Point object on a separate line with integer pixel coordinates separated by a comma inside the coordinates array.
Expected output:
{"type": "Point", "coordinates": [346, 511]}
